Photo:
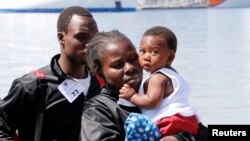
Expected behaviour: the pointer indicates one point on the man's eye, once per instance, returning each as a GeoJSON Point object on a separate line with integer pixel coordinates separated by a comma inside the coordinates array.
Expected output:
{"type": "Point", "coordinates": [82, 38]}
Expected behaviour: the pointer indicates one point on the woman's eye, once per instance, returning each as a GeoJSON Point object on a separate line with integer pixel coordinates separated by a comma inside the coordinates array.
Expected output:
{"type": "Point", "coordinates": [132, 59]}
{"type": "Point", "coordinates": [118, 65]}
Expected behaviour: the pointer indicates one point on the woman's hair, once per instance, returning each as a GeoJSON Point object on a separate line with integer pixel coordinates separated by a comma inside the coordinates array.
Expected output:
{"type": "Point", "coordinates": [98, 44]}
{"type": "Point", "coordinates": [165, 33]}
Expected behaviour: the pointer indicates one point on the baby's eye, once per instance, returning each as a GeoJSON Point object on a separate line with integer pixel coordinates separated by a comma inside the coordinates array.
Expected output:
{"type": "Point", "coordinates": [142, 52]}
{"type": "Point", "coordinates": [155, 52]}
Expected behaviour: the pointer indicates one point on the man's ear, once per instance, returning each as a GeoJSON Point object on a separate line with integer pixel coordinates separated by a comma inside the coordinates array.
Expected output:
{"type": "Point", "coordinates": [60, 37]}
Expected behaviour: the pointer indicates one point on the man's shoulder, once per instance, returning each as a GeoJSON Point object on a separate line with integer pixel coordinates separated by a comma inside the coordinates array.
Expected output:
{"type": "Point", "coordinates": [46, 70]}
{"type": "Point", "coordinates": [31, 77]}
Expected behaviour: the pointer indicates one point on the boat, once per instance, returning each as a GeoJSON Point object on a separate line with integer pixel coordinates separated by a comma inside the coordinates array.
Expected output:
{"type": "Point", "coordinates": [114, 5]}
{"type": "Point", "coordinates": [229, 3]}
{"type": "Point", "coordinates": [167, 4]}
{"type": "Point", "coordinates": [156, 4]}
{"type": "Point", "coordinates": [59, 5]}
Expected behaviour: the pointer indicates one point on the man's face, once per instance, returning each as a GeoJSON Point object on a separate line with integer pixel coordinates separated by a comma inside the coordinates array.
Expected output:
{"type": "Point", "coordinates": [78, 33]}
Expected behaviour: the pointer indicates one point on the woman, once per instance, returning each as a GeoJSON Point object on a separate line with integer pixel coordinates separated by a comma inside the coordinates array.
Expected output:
{"type": "Point", "coordinates": [112, 56]}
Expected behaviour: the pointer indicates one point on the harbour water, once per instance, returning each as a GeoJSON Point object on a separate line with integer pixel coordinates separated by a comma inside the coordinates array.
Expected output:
{"type": "Point", "coordinates": [213, 52]}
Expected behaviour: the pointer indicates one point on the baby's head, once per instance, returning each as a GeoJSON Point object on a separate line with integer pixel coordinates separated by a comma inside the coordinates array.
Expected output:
{"type": "Point", "coordinates": [157, 48]}
{"type": "Point", "coordinates": [113, 56]}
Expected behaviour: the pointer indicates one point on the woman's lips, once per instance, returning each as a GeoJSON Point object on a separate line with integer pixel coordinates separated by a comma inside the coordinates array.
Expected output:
{"type": "Point", "coordinates": [132, 78]}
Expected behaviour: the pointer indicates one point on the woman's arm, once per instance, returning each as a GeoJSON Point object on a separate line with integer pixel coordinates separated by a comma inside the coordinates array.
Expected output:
{"type": "Point", "coordinates": [98, 124]}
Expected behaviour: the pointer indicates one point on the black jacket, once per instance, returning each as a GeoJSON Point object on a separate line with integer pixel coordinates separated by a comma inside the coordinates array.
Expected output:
{"type": "Point", "coordinates": [103, 119]}
{"type": "Point", "coordinates": [61, 121]}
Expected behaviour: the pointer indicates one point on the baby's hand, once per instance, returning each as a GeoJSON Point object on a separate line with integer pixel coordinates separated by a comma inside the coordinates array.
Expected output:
{"type": "Point", "coordinates": [126, 92]}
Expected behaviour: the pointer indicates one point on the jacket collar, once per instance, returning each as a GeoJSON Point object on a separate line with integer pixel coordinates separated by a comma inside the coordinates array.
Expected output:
{"type": "Point", "coordinates": [55, 67]}
{"type": "Point", "coordinates": [110, 92]}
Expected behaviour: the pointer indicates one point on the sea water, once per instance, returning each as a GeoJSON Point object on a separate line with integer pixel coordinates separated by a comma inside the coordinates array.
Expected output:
{"type": "Point", "coordinates": [213, 52]}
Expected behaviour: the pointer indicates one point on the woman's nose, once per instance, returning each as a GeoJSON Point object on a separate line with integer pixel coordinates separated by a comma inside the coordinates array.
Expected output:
{"type": "Point", "coordinates": [129, 67]}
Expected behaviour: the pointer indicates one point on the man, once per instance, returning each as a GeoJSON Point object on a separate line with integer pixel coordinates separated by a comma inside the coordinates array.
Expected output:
{"type": "Point", "coordinates": [51, 110]}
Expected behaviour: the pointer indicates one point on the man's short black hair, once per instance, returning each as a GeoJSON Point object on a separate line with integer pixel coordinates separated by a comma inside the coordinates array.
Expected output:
{"type": "Point", "coordinates": [66, 15]}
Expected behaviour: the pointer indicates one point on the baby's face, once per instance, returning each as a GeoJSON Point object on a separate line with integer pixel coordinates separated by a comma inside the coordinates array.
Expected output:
{"type": "Point", "coordinates": [154, 53]}
{"type": "Point", "coordinates": [120, 65]}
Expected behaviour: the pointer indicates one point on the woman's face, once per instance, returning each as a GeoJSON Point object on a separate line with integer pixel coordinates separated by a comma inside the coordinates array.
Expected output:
{"type": "Point", "coordinates": [120, 65]}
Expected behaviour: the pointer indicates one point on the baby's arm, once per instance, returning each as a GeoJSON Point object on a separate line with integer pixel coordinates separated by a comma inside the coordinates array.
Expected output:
{"type": "Point", "coordinates": [127, 92]}
{"type": "Point", "coordinates": [156, 90]}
